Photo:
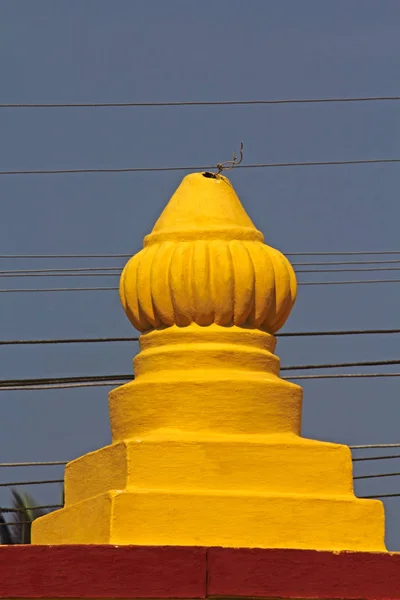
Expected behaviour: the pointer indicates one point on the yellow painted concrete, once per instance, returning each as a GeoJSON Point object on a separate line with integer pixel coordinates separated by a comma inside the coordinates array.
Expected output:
{"type": "Point", "coordinates": [206, 440]}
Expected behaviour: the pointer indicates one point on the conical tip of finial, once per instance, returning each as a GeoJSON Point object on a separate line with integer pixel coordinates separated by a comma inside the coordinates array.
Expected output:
{"type": "Point", "coordinates": [205, 205]}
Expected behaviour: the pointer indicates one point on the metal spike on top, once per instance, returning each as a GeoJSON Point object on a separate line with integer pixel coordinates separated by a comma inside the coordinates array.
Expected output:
{"type": "Point", "coordinates": [231, 163]}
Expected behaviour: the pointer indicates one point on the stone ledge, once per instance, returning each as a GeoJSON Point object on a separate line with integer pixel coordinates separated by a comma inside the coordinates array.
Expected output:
{"type": "Point", "coordinates": [102, 571]}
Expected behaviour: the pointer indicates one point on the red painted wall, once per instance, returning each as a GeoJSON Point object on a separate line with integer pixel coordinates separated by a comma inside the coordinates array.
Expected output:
{"type": "Point", "coordinates": [168, 572]}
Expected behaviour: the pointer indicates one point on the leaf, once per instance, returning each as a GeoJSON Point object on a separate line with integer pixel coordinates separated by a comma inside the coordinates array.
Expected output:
{"type": "Point", "coordinates": [26, 512]}
{"type": "Point", "coordinates": [6, 536]}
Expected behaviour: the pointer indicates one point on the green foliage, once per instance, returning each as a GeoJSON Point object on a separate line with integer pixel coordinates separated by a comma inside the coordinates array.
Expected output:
{"type": "Point", "coordinates": [16, 526]}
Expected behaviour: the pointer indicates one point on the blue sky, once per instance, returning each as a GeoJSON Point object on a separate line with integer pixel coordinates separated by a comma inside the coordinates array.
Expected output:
{"type": "Point", "coordinates": [124, 51]}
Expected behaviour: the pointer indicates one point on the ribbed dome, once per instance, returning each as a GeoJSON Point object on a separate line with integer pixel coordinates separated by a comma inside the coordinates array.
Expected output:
{"type": "Point", "coordinates": [205, 262]}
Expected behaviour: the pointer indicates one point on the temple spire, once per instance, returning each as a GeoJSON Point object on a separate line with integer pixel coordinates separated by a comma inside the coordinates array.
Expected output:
{"type": "Point", "coordinates": [206, 447]}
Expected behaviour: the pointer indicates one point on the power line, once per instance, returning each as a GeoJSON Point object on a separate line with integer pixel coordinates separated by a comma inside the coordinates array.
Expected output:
{"type": "Point", "coordinates": [8, 523]}
{"type": "Point", "coordinates": [115, 170]}
{"type": "Point", "coordinates": [336, 333]}
{"type": "Point", "coordinates": [58, 380]}
{"type": "Point", "coordinates": [356, 253]}
{"type": "Point", "coordinates": [202, 102]}
{"type": "Point", "coordinates": [341, 376]}
{"type": "Point", "coordinates": [70, 341]}
{"type": "Point", "coordinates": [359, 281]}
{"type": "Point", "coordinates": [344, 364]}
{"type": "Point", "coordinates": [201, 168]}
{"type": "Point", "coordinates": [129, 377]}
{"type": "Point", "coordinates": [81, 289]}
{"type": "Point", "coordinates": [136, 339]}
{"type": "Point", "coordinates": [368, 446]}
{"type": "Point", "coordinates": [347, 262]}
{"type": "Point", "coordinates": [45, 507]}
{"type": "Point", "coordinates": [104, 381]}
{"type": "Point", "coordinates": [299, 271]}
{"type": "Point", "coordinates": [17, 483]}
{"type": "Point", "coordinates": [375, 476]}
{"type": "Point", "coordinates": [380, 496]}
{"type": "Point", "coordinates": [60, 386]}
{"type": "Point", "coordinates": [50, 506]}
{"type": "Point", "coordinates": [367, 458]}
{"type": "Point", "coordinates": [51, 481]}
{"type": "Point", "coordinates": [102, 274]}
{"type": "Point", "coordinates": [64, 462]}
{"type": "Point", "coordinates": [35, 464]}
{"type": "Point", "coordinates": [62, 270]}
{"type": "Point", "coordinates": [35, 256]}
{"type": "Point", "coordinates": [116, 272]}
{"type": "Point", "coordinates": [103, 289]}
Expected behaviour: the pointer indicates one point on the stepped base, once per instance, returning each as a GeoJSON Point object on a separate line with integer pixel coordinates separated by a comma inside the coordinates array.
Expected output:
{"type": "Point", "coordinates": [265, 491]}
{"type": "Point", "coordinates": [162, 518]}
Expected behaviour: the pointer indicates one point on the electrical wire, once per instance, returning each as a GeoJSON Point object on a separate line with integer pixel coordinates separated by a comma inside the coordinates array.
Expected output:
{"type": "Point", "coordinates": [347, 262]}
{"type": "Point", "coordinates": [80, 289]}
{"type": "Point", "coordinates": [64, 462]}
{"type": "Point", "coordinates": [380, 496]}
{"type": "Point", "coordinates": [357, 281]}
{"type": "Point", "coordinates": [102, 274]}
{"type": "Point", "coordinates": [136, 339]}
{"type": "Point", "coordinates": [129, 377]}
{"type": "Point", "coordinates": [347, 253]}
{"type": "Point", "coordinates": [299, 271]}
{"type": "Point", "coordinates": [35, 256]}
{"type": "Point", "coordinates": [50, 272]}
{"type": "Point", "coordinates": [344, 364]}
{"type": "Point", "coordinates": [58, 380]}
{"type": "Point", "coordinates": [50, 463]}
{"type": "Point", "coordinates": [341, 376]}
{"type": "Point", "coordinates": [8, 523]}
{"type": "Point", "coordinates": [336, 333]}
{"type": "Point", "coordinates": [60, 386]}
{"type": "Point", "coordinates": [367, 458]}
{"type": "Point", "coordinates": [115, 288]}
{"type": "Point", "coordinates": [45, 507]}
{"type": "Point", "coordinates": [116, 272]}
{"type": "Point", "coordinates": [201, 168]}
{"type": "Point", "coordinates": [109, 381]}
{"type": "Point", "coordinates": [51, 256]}
{"type": "Point", "coordinates": [70, 341]}
{"type": "Point", "coordinates": [44, 481]}
{"type": "Point", "coordinates": [377, 475]}
{"type": "Point", "coordinates": [51, 481]}
{"type": "Point", "coordinates": [368, 446]}
{"type": "Point", "coordinates": [61, 506]}
{"type": "Point", "coordinates": [202, 102]}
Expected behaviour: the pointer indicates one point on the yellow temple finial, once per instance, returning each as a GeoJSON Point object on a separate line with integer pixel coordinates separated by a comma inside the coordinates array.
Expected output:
{"type": "Point", "coordinates": [205, 262]}
{"type": "Point", "coordinates": [206, 446]}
